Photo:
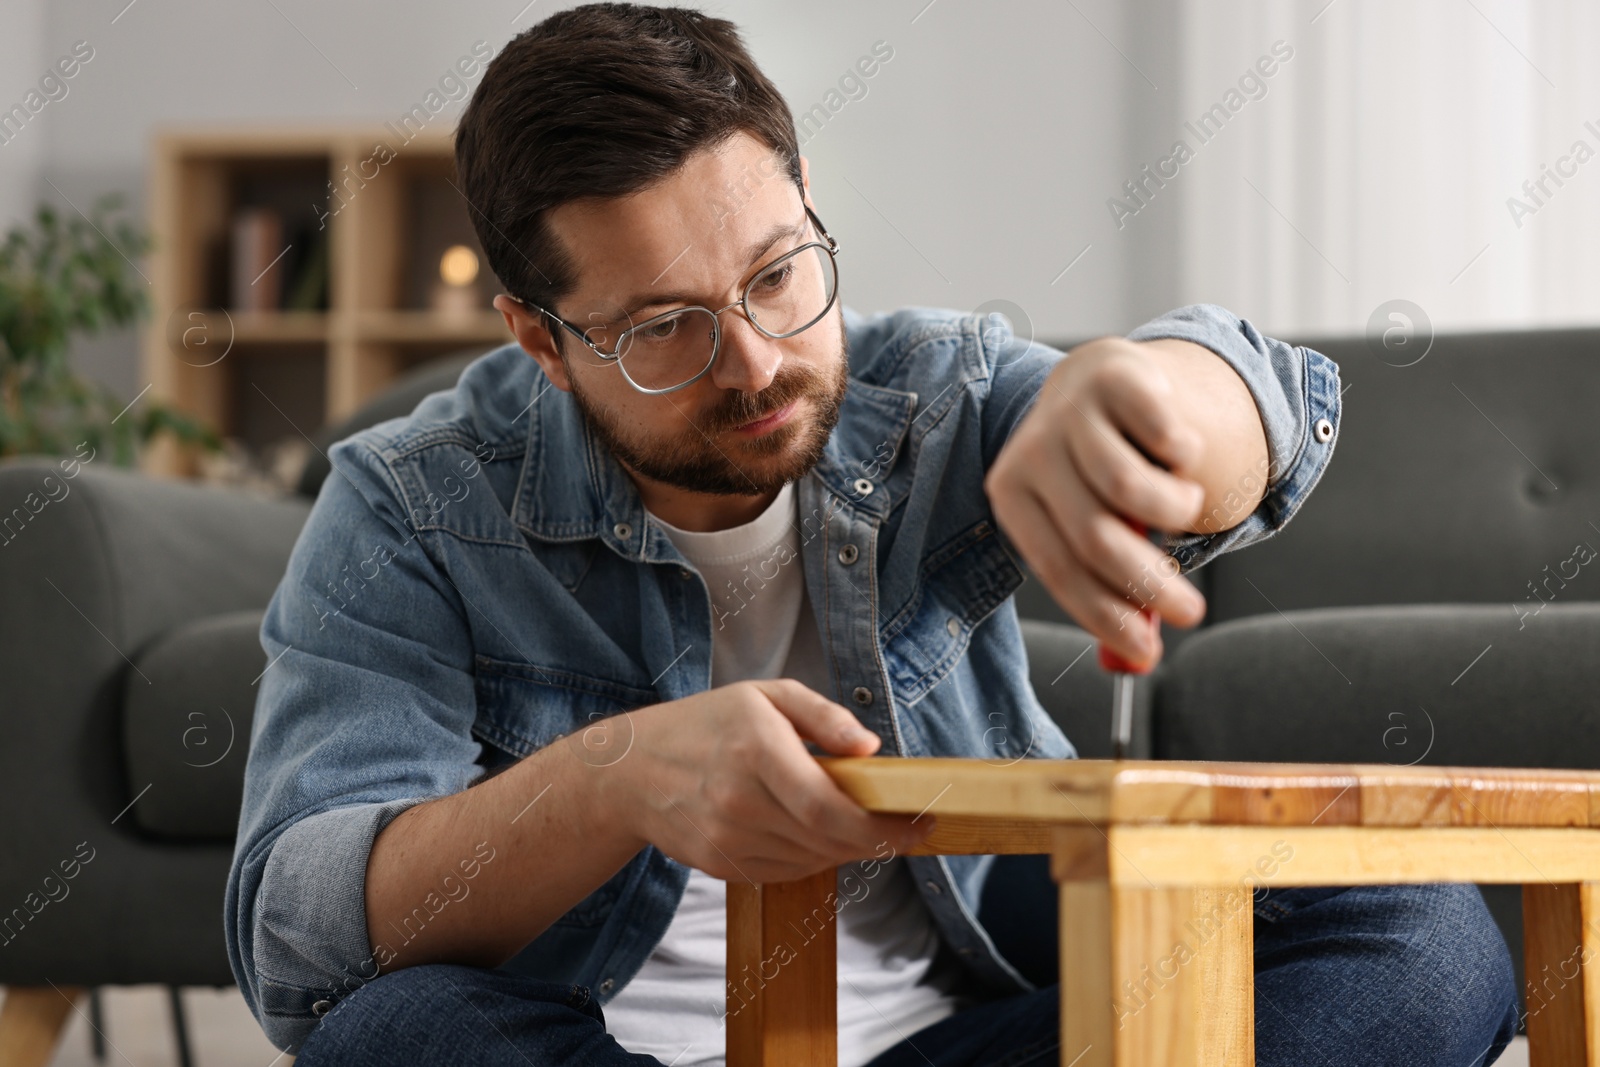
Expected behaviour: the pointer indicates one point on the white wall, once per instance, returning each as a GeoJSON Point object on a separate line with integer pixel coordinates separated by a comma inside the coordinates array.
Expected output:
{"type": "Point", "coordinates": [21, 47]}
{"type": "Point", "coordinates": [1392, 142]}
{"type": "Point", "coordinates": [980, 163]}
{"type": "Point", "coordinates": [965, 174]}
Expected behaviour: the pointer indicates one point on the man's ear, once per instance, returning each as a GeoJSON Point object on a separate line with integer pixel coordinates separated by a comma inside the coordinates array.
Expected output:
{"type": "Point", "coordinates": [528, 327]}
{"type": "Point", "coordinates": [805, 181]}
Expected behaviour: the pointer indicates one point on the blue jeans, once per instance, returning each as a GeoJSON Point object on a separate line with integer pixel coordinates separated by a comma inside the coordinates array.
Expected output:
{"type": "Point", "coordinates": [1413, 976]}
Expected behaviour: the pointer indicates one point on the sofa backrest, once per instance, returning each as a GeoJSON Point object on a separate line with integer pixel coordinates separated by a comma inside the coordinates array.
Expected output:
{"type": "Point", "coordinates": [1471, 476]}
{"type": "Point", "coordinates": [400, 398]}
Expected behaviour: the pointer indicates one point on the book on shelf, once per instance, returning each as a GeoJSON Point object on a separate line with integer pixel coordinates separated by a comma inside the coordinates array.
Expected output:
{"type": "Point", "coordinates": [255, 283]}
{"type": "Point", "coordinates": [275, 266]}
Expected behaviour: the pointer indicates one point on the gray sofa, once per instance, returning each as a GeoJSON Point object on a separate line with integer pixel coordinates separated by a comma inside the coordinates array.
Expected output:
{"type": "Point", "coordinates": [1379, 627]}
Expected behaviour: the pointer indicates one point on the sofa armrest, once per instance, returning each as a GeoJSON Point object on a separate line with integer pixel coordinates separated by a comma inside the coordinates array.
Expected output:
{"type": "Point", "coordinates": [189, 727]}
{"type": "Point", "coordinates": [95, 568]}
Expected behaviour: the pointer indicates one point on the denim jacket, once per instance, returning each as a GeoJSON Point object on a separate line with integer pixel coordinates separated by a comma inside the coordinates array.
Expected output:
{"type": "Point", "coordinates": [479, 578]}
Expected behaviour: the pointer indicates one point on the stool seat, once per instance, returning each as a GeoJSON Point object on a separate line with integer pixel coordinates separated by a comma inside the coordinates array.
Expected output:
{"type": "Point", "coordinates": [1141, 850]}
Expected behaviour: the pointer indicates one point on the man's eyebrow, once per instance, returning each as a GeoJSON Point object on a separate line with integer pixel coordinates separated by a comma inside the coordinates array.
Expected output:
{"type": "Point", "coordinates": [759, 248]}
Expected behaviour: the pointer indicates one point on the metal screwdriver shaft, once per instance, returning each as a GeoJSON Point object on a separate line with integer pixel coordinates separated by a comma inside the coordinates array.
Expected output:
{"type": "Point", "coordinates": [1122, 676]}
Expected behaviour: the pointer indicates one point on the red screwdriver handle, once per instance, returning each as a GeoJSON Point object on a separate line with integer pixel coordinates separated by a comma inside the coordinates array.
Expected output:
{"type": "Point", "coordinates": [1109, 660]}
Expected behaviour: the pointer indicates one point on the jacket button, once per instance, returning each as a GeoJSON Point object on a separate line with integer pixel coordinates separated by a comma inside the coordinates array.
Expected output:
{"type": "Point", "coordinates": [321, 1007]}
{"type": "Point", "coordinates": [684, 572]}
{"type": "Point", "coordinates": [862, 695]}
{"type": "Point", "coordinates": [964, 950]}
{"type": "Point", "coordinates": [953, 627]}
{"type": "Point", "coordinates": [622, 530]}
{"type": "Point", "coordinates": [608, 985]}
{"type": "Point", "coordinates": [849, 554]}
{"type": "Point", "coordinates": [933, 887]}
{"type": "Point", "coordinates": [1323, 429]}
{"type": "Point", "coordinates": [863, 487]}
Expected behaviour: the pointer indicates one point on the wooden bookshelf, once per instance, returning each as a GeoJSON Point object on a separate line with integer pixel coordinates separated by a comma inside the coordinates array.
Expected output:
{"type": "Point", "coordinates": [386, 213]}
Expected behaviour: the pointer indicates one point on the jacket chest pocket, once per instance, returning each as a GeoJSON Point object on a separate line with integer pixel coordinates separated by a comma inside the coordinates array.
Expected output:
{"type": "Point", "coordinates": [960, 585]}
{"type": "Point", "coordinates": [522, 707]}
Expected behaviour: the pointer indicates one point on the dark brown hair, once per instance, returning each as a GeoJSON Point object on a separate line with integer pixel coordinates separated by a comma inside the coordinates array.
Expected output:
{"type": "Point", "coordinates": [601, 100]}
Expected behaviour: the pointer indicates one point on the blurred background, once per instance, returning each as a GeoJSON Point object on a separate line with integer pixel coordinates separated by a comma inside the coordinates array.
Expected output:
{"type": "Point", "coordinates": [982, 161]}
{"type": "Point", "coordinates": [1080, 165]}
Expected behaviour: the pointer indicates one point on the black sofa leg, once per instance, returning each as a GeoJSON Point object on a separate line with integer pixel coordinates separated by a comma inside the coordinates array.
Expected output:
{"type": "Point", "coordinates": [97, 1027]}
{"type": "Point", "coordinates": [180, 1029]}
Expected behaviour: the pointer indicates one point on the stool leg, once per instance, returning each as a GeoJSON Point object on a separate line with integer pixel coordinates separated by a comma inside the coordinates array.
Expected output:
{"type": "Point", "coordinates": [1222, 926]}
{"type": "Point", "coordinates": [1561, 942]}
{"type": "Point", "coordinates": [1087, 1019]}
{"type": "Point", "coordinates": [783, 973]}
{"type": "Point", "coordinates": [1151, 977]}
{"type": "Point", "coordinates": [31, 1021]}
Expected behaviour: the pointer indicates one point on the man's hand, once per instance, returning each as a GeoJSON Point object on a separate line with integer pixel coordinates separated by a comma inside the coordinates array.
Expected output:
{"type": "Point", "coordinates": [1123, 430]}
{"type": "Point", "coordinates": [722, 781]}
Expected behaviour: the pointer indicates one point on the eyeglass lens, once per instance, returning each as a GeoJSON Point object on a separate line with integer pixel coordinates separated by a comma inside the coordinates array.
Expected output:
{"type": "Point", "coordinates": [788, 296]}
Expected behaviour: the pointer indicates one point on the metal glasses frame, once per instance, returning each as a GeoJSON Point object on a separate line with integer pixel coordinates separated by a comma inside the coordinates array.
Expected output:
{"type": "Point", "coordinates": [831, 247]}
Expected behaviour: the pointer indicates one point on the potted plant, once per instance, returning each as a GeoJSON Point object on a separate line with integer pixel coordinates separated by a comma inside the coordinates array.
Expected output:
{"type": "Point", "coordinates": [62, 277]}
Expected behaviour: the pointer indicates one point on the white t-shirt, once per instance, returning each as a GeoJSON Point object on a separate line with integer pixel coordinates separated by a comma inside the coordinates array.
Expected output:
{"type": "Point", "coordinates": [763, 627]}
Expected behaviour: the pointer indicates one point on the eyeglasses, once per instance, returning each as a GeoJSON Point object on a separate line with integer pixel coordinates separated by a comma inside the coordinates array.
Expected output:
{"type": "Point", "coordinates": [667, 352]}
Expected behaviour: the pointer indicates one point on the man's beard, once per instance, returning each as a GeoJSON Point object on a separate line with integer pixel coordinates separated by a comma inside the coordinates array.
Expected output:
{"type": "Point", "coordinates": [694, 462]}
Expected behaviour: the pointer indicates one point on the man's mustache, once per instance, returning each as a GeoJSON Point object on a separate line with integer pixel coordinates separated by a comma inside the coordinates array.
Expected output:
{"type": "Point", "coordinates": [738, 408]}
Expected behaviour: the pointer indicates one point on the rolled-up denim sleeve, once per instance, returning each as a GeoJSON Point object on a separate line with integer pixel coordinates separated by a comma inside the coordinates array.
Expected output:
{"type": "Point", "coordinates": [365, 709]}
{"type": "Point", "coordinates": [1296, 391]}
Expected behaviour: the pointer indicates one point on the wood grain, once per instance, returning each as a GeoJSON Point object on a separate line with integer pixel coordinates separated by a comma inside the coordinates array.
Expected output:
{"type": "Point", "coordinates": [1099, 792]}
{"type": "Point", "coordinates": [1224, 925]}
{"type": "Point", "coordinates": [1348, 855]}
{"type": "Point", "coordinates": [1156, 977]}
{"type": "Point", "coordinates": [782, 1008]}
{"type": "Point", "coordinates": [1562, 994]}
{"type": "Point", "coordinates": [1088, 1014]}
{"type": "Point", "coordinates": [960, 835]}
{"type": "Point", "coordinates": [1281, 800]}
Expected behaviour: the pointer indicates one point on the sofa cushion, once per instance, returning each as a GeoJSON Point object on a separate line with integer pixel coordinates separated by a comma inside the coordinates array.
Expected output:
{"type": "Point", "coordinates": [1461, 685]}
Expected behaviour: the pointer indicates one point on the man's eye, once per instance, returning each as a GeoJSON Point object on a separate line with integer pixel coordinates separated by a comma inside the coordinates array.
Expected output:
{"type": "Point", "coordinates": [660, 331]}
{"type": "Point", "coordinates": [775, 278]}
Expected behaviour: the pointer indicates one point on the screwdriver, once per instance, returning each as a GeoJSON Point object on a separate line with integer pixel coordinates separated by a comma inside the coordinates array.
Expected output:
{"type": "Point", "coordinates": [1122, 676]}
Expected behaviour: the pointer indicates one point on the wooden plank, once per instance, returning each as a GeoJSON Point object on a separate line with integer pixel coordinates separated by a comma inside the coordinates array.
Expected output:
{"type": "Point", "coordinates": [1155, 999]}
{"type": "Point", "coordinates": [1100, 791]}
{"type": "Point", "coordinates": [960, 835]}
{"type": "Point", "coordinates": [782, 973]}
{"type": "Point", "coordinates": [1510, 799]}
{"type": "Point", "coordinates": [1150, 975]}
{"type": "Point", "coordinates": [1045, 790]}
{"type": "Point", "coordinates": [1286, 800]}
{"type": "Point", "coordinates": [31, 1021]}
{"type": "Point", "coordinates": [1078, 854]}
{"type": "Point", "coordinates": [1348, 855]}
{"type": "Point", "coordinates": [1224, 929]}
{"type": "Point", "coordinates": [1562, 993]}
{"type": "Point", "coordinates": [1161, 793]}
{"type": "Point", "coordinates": [1156, 977]}
{"type": "Point", "coordinates": [1407, 797]}
{"type": "Point", "coordinates": [1088, 1010]}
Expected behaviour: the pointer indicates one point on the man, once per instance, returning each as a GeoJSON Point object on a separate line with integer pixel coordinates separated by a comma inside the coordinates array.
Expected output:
{"type": "Point", "coordinates": [551, 650]}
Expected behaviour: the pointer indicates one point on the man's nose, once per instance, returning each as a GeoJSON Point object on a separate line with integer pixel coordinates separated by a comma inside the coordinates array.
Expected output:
{"type": "Point", "coordinates": [747, 361]}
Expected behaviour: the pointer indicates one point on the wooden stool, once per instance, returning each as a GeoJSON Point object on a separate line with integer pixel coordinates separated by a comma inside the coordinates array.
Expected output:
{"type": "Point", "coordinates": [1157, 863]}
